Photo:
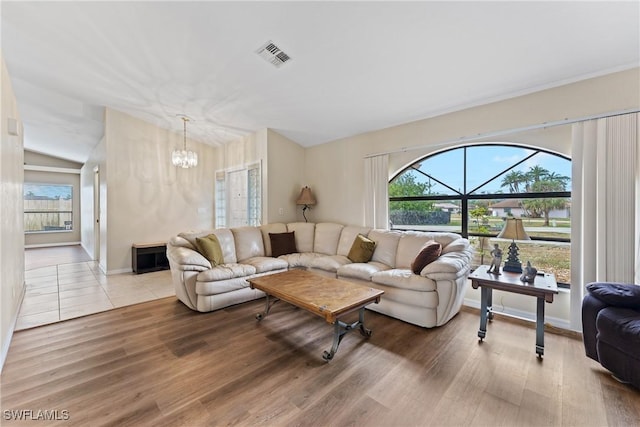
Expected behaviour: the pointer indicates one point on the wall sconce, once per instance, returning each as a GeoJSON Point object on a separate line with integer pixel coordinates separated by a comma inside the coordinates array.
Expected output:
{"type": "Point", "coordinates": [306, 200]}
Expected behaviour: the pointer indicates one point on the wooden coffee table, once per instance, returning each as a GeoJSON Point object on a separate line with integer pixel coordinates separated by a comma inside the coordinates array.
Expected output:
{"type": "Point", "coordinates": [544, 287]}
{"type": "Point", "coordinates": [324, 296]}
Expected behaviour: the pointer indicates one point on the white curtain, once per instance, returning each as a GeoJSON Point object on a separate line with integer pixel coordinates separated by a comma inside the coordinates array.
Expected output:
{"type": "Point", "coordinates": [605, 184]}
{"type": "Point", "coordinates": [376, 191]}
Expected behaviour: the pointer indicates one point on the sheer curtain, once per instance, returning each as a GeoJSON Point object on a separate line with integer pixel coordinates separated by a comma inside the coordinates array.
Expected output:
{"type": "Point", "coordinates": [376, 191]}
{"type": "Point", "coordinates": [604, 236]}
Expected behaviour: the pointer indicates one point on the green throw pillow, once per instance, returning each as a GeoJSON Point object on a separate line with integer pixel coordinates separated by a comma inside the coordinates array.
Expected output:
{"type": "Point", "coordinates": [210, 248]}
{"type": "Point", "coordinates": [362, 249]}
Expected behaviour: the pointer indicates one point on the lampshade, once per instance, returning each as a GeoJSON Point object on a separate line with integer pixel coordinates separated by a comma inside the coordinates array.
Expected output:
{"type": "Point", "coordinates": [306, 197]}
{"type": "Point", "coordinates": [184, 158]}
{"type": "Point", "coordinates": [513, 229]}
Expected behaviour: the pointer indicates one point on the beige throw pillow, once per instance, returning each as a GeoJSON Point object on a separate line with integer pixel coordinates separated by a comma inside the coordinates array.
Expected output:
{"type": "Point", "coordinates": [362, 249]}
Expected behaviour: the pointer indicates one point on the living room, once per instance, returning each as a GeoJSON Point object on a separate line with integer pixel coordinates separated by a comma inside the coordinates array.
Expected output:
{"type": "Point", "coordinates": [146, 199]}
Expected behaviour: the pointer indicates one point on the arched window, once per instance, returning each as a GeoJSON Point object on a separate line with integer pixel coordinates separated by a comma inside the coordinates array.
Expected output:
{"type": "Point", "coordinates": [470, 190]}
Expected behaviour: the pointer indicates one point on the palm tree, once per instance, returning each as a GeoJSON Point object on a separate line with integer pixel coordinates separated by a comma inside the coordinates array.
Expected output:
{"type": "Point", "coordinates": [513, 180]}
{"type": "Point", "coordinates": [536, 173]}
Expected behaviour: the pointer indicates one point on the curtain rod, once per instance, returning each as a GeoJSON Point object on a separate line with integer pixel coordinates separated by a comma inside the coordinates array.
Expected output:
{"type": "Point", "coordinates": [479, 136]}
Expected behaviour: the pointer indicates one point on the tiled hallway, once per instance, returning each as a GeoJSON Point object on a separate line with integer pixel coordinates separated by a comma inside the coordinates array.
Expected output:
{"type": "Point", "coordinates": [70, 288]}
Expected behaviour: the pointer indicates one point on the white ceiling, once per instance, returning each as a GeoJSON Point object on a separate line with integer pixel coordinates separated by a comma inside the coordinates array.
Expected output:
{"type": "Point", "coordinates": [356, 66]}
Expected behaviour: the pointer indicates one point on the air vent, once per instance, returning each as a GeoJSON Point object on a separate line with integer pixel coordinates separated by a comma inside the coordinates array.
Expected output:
{"type": "Point", "coordinates": [273, 54]}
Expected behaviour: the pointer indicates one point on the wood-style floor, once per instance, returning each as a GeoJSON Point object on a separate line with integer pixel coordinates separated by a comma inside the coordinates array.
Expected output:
{"type": "Point", "coordinates": [159, 363]}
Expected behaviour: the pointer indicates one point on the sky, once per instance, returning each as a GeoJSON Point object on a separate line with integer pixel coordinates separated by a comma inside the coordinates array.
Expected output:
{"type": "Point", "coordinates": [52, 191]}
{"type": "Point", "coordinates": [484, 162]}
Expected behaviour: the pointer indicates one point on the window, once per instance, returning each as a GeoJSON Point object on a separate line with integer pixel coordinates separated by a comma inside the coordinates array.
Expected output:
{"type": "Point", "coordinates": [470, 190]}
{"type": "Point", "coordinates": [48, 207]}
{"type": "Point", "coordinates": [239, 197]}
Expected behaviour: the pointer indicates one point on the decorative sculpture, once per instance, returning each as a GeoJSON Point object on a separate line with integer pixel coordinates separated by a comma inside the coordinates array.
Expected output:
{"type": "Point", "coordinates": [529, 273]}
{"type": "Point", "coordinates": [496, 253]}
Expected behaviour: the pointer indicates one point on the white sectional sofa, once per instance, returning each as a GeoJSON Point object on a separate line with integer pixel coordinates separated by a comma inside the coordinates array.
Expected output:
{"type": "Point", "coordinates": [428, 299]}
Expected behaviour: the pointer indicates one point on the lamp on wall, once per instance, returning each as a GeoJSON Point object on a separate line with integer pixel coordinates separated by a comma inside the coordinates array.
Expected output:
{"type": "Point", "coordinates": [306, 199]}
{"type": "Point", "coordinates": [514, 230]}
{"type": "Point", "coordinates": [184, 158]}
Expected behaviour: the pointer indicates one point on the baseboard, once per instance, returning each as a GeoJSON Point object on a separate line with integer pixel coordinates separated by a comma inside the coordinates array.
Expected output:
{"type": "Point", "coordinates": [523, 315]}
{"type": "Point", "coordinates": [118, 271]}
{"type": "Point", "coordinates": [12, 327]}
{"type": "Point", "coordinates": [51, 245]}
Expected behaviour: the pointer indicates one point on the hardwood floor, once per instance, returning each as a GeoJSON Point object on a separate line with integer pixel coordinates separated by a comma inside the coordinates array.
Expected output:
{"type": "Point", "coordinates": [159, 363]}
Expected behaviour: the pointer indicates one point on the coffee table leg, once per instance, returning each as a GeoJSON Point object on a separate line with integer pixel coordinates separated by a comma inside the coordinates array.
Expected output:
{"type": "Point", "coordinates": [340, 329]}
{"type": "Point", "coordinates": [540, 327]}
{"type": "Point", "coordinates": [267, 307]}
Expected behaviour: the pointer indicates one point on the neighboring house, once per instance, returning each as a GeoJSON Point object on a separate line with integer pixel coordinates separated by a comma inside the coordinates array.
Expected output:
{"type": "Point", "coordinates": [513, 207]}
{"type": "Point", "coordinates": [447, 207]}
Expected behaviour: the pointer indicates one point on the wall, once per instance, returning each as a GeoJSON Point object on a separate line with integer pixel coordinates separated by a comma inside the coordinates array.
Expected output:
{"type": "Point", "coordinates": [48, 176]}
{"type": "Point", "coordinates": [11, 214]}
{"type": "Point", "coordinates": [285, 179]}
{"type": "Point", "coordinates": [337, 170]}
{"type": "Point", "coordinates": [147, 198]}
{"type": "Point", "coordinates": [96, 160]}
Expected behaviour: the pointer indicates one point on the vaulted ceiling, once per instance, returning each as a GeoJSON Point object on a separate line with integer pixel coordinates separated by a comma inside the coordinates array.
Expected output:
{"type": "Point", "coordinates": [354, 67]}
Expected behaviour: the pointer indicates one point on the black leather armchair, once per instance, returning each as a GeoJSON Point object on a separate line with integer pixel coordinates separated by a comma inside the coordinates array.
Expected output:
{"type": "Point", "coordinates": [611, 328]}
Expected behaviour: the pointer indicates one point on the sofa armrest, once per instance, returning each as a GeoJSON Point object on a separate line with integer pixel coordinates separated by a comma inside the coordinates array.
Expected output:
{"type": "Point", "coordinates": [624, 295]}
{"type": "Point", "coordinates": [186, 259]}
{"type": "Point", "coordinates": [449, 266]}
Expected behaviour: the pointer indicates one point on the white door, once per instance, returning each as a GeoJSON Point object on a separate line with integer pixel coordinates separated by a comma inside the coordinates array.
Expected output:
{"type": "Point", "coordinates": [238, 212]}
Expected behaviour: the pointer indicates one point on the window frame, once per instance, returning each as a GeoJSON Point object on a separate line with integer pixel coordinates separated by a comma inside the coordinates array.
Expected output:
{"type": "Point", "coordinates": [66, 228]}
{"type": "Point", "coordinates": [465, 196]}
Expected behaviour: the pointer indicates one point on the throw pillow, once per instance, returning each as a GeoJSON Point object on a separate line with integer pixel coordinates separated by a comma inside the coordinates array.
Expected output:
{"type": "Point", "coordinates": [625, 295]}
{"type": "Point", "coordinates": [430, 252]}
{"type": "Point", "coordinates": [209, 247]}
{"type": "Point", "coordinates": [361, 249]}
{"type": "Point", "coordinates": [282, 243]}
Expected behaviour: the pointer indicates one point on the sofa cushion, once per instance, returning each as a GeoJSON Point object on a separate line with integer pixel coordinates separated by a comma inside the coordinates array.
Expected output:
{"type": "Point", "coordinates": [209, 247]}
{"type": "Point", "coordinates": [265, 264]}
{"type": "Point", "coordinates": [362, 271]}
{"type": "Point", "coordinates": [330, 262]}
{"type": "Point", "coordinates": [221, 286]}
{"type": "Point", "coordinates": [386, 246]}
{"type": "Point", "coordinates": [276, 227]}
{"type": "Point", "coordinates": [282, 243]}
{"type": "Point", "coordinates": [430, 252]}
{"type": "Point", "coordinates": [348, 235]}
{"type": "Point", "coordinates": [326, 238]}
{"type": "Point", "coordinates": [300, 259]}
{"type": "Point", "coordinates": [248, 242]}
{"type": "Point", "coordinates": [361, 249]}
{"type": "Point", "coordinates": [225, 272]}
{"type": "Point", "coordinates": [403, 279]}
{"type": "Point", "coordinates": [616, 294]}
{"type": "Point", "coordinates": [620, 328]}
{"type": "Point", "coordinates": [305, 232]}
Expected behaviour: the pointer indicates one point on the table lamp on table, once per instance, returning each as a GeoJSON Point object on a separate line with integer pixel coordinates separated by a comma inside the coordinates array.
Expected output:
{"type": "Point", "coordinates": [514, 230]}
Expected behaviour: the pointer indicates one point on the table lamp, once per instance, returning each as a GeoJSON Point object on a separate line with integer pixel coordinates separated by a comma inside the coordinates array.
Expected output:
{"type": "Point", "coordinates": [306, 199]}
{"type": "Point", "coordinates": [514, 230]}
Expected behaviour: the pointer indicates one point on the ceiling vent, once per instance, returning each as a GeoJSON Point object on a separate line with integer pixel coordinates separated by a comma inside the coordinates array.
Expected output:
{"type": "Point", "coordinates": [273, 54]}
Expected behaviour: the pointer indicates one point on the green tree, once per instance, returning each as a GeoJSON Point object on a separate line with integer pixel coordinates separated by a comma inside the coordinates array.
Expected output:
{"type": "Point", "coordinates": [514, 180]}
{"type": "Point", "coordinates": [542, 206]}
{"type": "Point", "coordinates": [407, 185]}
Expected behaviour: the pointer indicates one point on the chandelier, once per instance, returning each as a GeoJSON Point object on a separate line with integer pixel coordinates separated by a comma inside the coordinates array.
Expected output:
{"type": "Point", "coordinates": [184, 158]}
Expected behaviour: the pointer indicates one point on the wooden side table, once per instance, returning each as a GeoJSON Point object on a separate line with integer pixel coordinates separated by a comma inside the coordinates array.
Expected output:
{"type": "Point", "coordinates": [543, 288]}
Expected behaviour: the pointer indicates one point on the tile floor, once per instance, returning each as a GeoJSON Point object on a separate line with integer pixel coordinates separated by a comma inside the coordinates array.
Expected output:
{"type": "Point", "coordinates": [67, 290]}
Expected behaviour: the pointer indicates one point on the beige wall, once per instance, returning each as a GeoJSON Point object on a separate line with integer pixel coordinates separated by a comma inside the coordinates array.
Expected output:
{"type": "Point", "coordinates": [97, 160]}
{"type": "Point", "coordinates": [285, 179]}
{"type": "Point", "coordinates": [147, 198]}
{"type": "Point", "coordinates": [57, 177]}
{"type": "Point", "coordinates": [11, 214]}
